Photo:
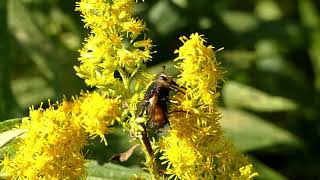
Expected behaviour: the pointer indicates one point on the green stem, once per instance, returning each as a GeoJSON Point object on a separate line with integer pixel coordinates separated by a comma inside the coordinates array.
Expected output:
{"type": "Point", "coordinates": [150, 160]}
{"type": "Point", "coordinates": [134, 72]}
{"type": "Point", "coordinates": [151, 164]}
{"type": "Point", "coordinates": [126, 81]}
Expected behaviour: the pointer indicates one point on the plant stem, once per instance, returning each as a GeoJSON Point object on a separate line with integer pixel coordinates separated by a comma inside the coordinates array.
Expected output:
{"type": "Point", "coordinates": [144, 140]}
{"type": "Point", "coordinates": [126, 81]}
{"type": "Point", "coordinates": [134, 72]}
{"type": "Point", "coordinates": [147, 148]}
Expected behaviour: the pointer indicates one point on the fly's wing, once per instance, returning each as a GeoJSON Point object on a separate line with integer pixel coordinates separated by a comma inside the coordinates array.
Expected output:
{"type": "Point", "coordinates": [152, 101]}
{"type": "Point", "coordinates": [150, 91]}
{"type": "Point", "coordinates": [146, 105]}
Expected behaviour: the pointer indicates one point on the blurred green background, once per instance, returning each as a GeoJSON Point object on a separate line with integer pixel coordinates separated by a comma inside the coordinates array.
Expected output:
{"type": "Point", "coordinates": [271, 98]}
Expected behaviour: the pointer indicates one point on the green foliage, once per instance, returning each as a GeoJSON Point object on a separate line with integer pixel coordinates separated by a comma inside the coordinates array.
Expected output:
{"type": "Point", "coordinates": [254, 99]}
{"type": "Point", "coordinates": [9, 124]}
{"type": "Point", "coordinates": [250, 132]}
{"type": "Point", "coordinates": [265, 172]}
{"type": "Point", "coordinates": [113, 171]}
{"type": "Point", "coordinates": [29, 90]}
{"type": "Point", "coordinates": [8, 136]}
{"type": "Point", "coordinates": [120, 141]}
{"type": "Point", "coordinates": [270, 101]}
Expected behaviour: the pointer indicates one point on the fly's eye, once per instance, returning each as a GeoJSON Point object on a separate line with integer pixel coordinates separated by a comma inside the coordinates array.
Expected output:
{"type": "Point", "coordinates": [163, 77]}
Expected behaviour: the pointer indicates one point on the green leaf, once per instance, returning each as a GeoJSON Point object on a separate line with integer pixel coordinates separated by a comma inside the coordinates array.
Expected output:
{"type": "Point", "coordinates": [240, 59]}
{"type": "Point", "coordinates": [9, 124]}
{"type": "Point", "coordinates": [266, 172]}
{"type": "Point", "coordinates": [48, 53]}
{"type": "Point", "coordinates": [31, 90]}
{"type": "Point", "coordinates": [310, 17]}
{"type": "Point", "coordinates": [239, 95]}
{"type": "Point", "coordinates": [9, 149]}
{"type": "Point", "coordinates": [7, 136]}
{"type": "Point", "coordinates": [112, 171]}
{"type": "Point", "coordinates": [30, 36]}
{"type": "Point", "coordinates": [250, 132]}
{"type": "Point", "coordinates": [268, 10]}
{"type": "Point", "coordinates": [270, 59]}
{"type": "Point", "coordinates": [239, 21]}
{"type": "Point", "coordinates": [119, 141]}
{"type": "Point", "coordinates": [165, 17]}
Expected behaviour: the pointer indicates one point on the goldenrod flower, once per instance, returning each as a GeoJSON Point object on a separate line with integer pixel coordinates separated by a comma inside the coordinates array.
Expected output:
{"type": "Point", "coordinates": [51, 147]}
{"type": "Point", "coordinates": [195, 147]}
{"type": "Point", "coordinates": [112, 45]}
{"type": "Point", "coordinates": [199, 69]}
{"type": "Point", "coordinates": [116, 46]}
{"type": "Point", "coordinates": [97, 113]}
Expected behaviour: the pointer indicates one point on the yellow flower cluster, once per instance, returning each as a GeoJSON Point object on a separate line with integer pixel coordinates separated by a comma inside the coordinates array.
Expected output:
{"type": "Point", "coordinates": [199, 70]}
{"type": "Point", "coordinates": [117, 46]}
{"type": "Point", "coordinates": [97, 113]}
{"type": "Point", "coordinates": [113, 45]}
{"type": "Point", "coordinates": [51, 147]}
{"type": "Point", "coordinates": [195, 147]}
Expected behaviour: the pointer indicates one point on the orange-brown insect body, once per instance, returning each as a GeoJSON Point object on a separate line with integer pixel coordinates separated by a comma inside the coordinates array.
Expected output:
{"type": "Point", "coordinates": [156, 99]}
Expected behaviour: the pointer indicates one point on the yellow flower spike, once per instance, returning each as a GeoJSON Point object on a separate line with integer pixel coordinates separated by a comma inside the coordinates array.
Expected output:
{"type": "Point", "coordinates": [113, 59]}
{"type": "Point", "coordinates": [200, 68]}
{"type": "Point", "coordinates": [98, 113]}
{"type": "Point", "coordinates": [195, 147]}
{"type": "Point", "coordinates": [104, 52]}
{"type": "Point", "coordinates": [50, 148]}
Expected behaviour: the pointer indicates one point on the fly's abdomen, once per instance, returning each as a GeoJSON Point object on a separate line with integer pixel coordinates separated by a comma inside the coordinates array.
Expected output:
{"type": "Point", "coordinates": [159, 116]}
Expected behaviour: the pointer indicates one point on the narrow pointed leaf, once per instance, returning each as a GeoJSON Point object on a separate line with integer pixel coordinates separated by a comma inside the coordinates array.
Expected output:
{"type": "Point", "coordinates": [7, 136]}
{"type": "Point", "coordinates": [239, 95]}
{"type": "Point", "coordinates": [250, 132]}
{"type": "Point", "coordinates": [266, 172]}
{"type": "Point", "coordinates": [9, 124]}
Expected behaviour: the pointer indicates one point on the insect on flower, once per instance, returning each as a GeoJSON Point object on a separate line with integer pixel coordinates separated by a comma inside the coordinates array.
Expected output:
{"type": "Point", "coordinates": [156, 100]}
